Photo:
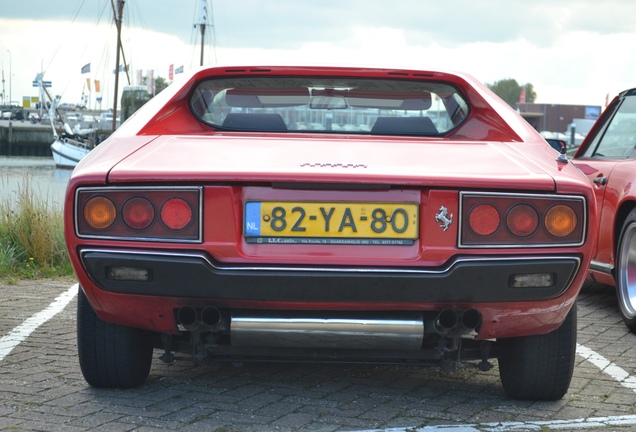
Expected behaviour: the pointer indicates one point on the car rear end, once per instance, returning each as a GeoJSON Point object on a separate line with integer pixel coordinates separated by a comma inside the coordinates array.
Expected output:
{"type": "Point", "coordinates": [331, 215]}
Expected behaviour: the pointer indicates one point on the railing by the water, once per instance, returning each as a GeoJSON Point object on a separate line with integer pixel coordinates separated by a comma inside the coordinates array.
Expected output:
{"type": "Point", "coordinates": [23, 138]}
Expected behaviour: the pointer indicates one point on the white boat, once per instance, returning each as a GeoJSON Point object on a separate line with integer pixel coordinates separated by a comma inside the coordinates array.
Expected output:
{"type": "Point", "coordinates": [67, 152]}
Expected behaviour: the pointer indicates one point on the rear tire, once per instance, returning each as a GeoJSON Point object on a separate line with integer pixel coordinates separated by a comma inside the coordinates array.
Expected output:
{"type": "Point", "coordinates": [110, 355]}
{"type": "Point", "coordinates": [626, 272]}
{"type": "Point", "coordinates": [540, 367]}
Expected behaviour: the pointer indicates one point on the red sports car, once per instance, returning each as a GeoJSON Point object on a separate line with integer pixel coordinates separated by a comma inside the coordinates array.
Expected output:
{"type": "Point", "coordinates": [330, 214]}
{"type": "Point", "coordinates": [608, 158]}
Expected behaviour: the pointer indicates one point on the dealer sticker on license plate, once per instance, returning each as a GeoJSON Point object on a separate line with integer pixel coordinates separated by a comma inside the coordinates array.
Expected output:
{"type": "Point", "coordinates": [354, 223]}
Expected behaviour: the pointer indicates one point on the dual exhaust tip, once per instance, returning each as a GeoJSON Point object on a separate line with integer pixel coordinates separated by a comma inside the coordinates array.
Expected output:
{"type": "Point", "coordinates": [207, 319]}
{"type": "Point", "coordinates": [457, 322]}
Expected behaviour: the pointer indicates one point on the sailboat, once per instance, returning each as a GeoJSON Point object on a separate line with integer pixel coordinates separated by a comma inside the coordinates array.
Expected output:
{"type": "Point", "coordinates": [69, 148]}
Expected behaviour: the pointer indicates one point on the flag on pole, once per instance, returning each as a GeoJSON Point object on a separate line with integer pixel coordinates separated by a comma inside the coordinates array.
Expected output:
{"type": "Point", "coordinates": [140, 80]}
{"type": "Point", "coordinates": [178, 70]}
{"type": "Point", "coordinates": [171, 72]}
{"type": "Point", "coordinates": [88, 84]}
{"type": "Point", "coordinates": [97, 87]}
{"type": "Point", "coordinates": [150, 81]}
{"type": "Point", "coordinates": [86, 68]}
{"type": "Point", "coordinates": [522, 96]}
{"type": "Point", "coordinates": [122, 68]}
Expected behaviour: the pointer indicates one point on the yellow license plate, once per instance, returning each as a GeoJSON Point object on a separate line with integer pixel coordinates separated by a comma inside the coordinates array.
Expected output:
{"type": "Point", "coordinates": [331, 222]}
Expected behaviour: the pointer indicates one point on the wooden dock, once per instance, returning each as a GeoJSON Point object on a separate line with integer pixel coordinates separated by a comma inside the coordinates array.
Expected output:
{"type": "Point", "coordinates": [23, 138]}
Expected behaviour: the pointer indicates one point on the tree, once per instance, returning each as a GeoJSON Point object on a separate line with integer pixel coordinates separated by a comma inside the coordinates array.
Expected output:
{"type": "Point", "coordinates": [509, 90]}
{"type": "Point", "coordinates": [132, 99]}
{"type": "Point", "coordinates": [160, 84]}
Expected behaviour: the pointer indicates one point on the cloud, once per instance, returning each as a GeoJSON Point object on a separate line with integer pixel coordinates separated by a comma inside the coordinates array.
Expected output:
{"type": "Point", "coordinates": [572, 51]}
{"type": "Point", "coordinates": [257, 24]}
{"type": "Point", "coordinates": [290, 23]}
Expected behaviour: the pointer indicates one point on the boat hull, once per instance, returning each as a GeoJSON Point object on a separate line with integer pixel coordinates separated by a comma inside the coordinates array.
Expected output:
{"type": "Point", "coordinates": [67, 154]}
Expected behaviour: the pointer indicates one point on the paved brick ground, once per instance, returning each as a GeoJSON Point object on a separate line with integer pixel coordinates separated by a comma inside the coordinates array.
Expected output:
{"type": "Point", "coordinates": [41, 387]}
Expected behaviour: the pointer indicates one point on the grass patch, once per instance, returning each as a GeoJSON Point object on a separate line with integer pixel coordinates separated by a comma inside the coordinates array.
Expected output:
{"type": "Point", "coordinates": [32, 237]}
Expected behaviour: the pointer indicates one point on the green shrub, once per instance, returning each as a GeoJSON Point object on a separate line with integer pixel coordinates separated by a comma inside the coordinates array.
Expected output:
{"type": "Point", "coordinates": [32, 237]}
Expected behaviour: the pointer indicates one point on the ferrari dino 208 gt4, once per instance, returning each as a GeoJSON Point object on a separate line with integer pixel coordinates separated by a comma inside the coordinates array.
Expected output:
{"type": "Point", "coordinates": [330, 214]}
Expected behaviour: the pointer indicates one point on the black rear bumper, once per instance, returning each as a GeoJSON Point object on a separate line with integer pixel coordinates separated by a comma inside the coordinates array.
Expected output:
{"type": "Point", "coordinates": [195, 275]}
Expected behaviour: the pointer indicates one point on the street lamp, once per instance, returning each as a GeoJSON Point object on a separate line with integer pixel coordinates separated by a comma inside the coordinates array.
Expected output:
{"type": "Point", "coordinates": [10, 96]}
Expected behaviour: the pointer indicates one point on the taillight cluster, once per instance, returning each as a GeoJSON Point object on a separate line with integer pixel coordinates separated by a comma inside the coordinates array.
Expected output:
{"type": "Point", "coordinates": [154, 214]}
{"type": "Point", "coordinates": [521, 220]}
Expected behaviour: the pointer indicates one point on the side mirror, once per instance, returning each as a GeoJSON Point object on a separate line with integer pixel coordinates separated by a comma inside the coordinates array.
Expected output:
{"type": "Point", "coordinates": [557, 144]}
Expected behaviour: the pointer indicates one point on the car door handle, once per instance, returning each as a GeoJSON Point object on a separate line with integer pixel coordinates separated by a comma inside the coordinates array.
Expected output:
{"type": "Point", "coordinates": [601, 181]}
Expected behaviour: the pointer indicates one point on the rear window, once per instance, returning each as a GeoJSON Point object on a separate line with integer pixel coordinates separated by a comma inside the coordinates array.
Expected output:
{"type": "Point", "coordinates": [329, 105]}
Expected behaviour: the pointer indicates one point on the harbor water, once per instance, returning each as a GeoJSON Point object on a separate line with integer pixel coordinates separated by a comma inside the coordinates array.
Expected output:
{"type": "Point", "coordinates": [35, 175]}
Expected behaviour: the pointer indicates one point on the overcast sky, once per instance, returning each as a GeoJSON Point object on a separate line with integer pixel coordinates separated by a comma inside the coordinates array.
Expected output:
{"type": "Point", "coordinates": [572, 51]}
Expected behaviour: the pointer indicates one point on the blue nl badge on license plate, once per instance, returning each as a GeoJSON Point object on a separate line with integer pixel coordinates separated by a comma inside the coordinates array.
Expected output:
{"type": "Point", "coordinates": [252, 226]}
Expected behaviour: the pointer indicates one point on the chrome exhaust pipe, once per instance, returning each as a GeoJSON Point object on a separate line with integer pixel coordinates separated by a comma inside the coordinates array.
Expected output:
{"type": "Point", "coordinates": [406, 333]}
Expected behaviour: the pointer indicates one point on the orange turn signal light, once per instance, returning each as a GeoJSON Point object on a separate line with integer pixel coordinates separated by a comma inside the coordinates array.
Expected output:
{"type": "Point", "coordinates": [560, 220]}
{"type": "Point", "coordinates": [100, 212]}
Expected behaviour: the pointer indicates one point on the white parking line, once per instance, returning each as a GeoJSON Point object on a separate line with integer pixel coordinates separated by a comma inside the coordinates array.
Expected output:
{"type": "Point", "coordinates": [607, 367]}
{"type": "Point", "coordinates": [21, 332]}
{"type": "Point", "coordinates": [617, 373]}
{"type": "Point", "coordinates": [583, 423]}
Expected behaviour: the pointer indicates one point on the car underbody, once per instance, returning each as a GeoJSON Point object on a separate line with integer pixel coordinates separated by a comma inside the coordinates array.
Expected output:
{"type": "Point", "coordinates": [422, 339]}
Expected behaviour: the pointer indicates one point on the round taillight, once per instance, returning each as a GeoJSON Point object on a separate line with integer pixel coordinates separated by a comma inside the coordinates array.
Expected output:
{"type": "Point", "coordinates": [138, 213]}
{"type": "Point", "coordinates": [100, 212]}
{"type": "Point", "coordinates": [522, 220]}
{"type": "Point", "coordinates": [176, 214]}
{"type": "Point", "coordinates": [560, 220]}
{"type": "Point", "coordinates": [484, 219]}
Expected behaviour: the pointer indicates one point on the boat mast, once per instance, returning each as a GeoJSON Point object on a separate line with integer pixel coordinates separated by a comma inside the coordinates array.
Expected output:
{"type": "Point", "coordinates": [53, 110]}
{"type": "Point", "coordinates": [118, 20]}
{"type": "Point", "coordinates": [203, 22]}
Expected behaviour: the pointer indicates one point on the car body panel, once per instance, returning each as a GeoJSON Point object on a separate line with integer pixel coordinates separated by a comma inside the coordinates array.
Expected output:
{"type": "Point", "coordinates": [225, 158]}
{"type": "Point", "coordinates": [609, 197]}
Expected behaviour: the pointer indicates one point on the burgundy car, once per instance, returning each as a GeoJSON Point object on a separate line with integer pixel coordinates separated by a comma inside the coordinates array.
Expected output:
{"type": "Point", "coordinates": [608, 158]}
{"type": "Point", "coordinates": [330, 214]}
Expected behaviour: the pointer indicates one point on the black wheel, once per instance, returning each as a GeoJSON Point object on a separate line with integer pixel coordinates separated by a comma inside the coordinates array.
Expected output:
{"type": "Point", "coordinates": [110, 355]}
{"type": "Point", "coordinates": [539, 367]}
{"type": "Point", "coordinates": [626, 272]}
